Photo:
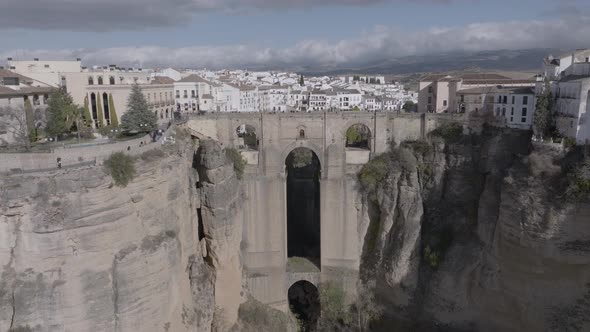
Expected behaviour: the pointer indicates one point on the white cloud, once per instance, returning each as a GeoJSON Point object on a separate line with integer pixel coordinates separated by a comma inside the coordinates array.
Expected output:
{"type": "Point", "coordinates": [380, 43]}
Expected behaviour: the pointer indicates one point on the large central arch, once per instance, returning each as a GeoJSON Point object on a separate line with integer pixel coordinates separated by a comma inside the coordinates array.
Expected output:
{"type": "Point", "coordinates": [303, 205]}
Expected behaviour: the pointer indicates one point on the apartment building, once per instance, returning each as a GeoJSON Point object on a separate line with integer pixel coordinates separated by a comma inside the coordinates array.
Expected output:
{"type": "Point", "coordinates": [569, 80]}
{"type": "Point", "coordinates": [440, 93]}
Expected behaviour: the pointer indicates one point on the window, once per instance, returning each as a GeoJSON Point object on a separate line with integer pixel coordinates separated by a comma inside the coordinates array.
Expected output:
{"type": "Point", "coordinates": [513, 99]}
{"type": "Point", "coordinates": [444, 103]}
{"type": "Point", "coordinates": [499, 99]}
{"type": "Point", "coordinates": [177, 93]}
{"type": "Point", "coordinates": [525, 100]}
{"type": "Point", "coordinates": [462, 98]}
{"type": "Point", "coordinates": [185, 95]}
{"type": "Point", "coordinates": [504, 111]}
{"type": "Point", "coordinates": [99, 80]}
{"type": "Point", "coordinates": [429, 100]}
{"type": "Point", "coordinates": [512, 115]}
{"type": "Point", "coordinates": [587, 59]}
{"type": "Point", "coordinates": [90, 80]}
{"type": "Point", "coordinates": [505, 100]}
{"type": "Point", "coordinates": [193, 93]}
{"type": "Point", "coordinates": [112, 80]}
{"type": "Point", "coordinates": [429, 89]}
{"type": "Point", "coordinates": [301, 133]}
{"type": "Point", "coordinates": [46, 66]}
{"type": "Point", "coordinates": [524, 113]}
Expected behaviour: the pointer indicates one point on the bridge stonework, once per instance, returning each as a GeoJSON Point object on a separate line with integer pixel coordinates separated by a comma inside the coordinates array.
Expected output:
{"type": "Point", "coordinates": [264, 240]}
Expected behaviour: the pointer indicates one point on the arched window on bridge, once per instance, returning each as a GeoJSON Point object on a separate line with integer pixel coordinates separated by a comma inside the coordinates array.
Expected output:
{"type": "Point", "coordinates": [304, 301]}
{"type": "Point", "coordinates": [302, 133]}
{"type": "Point", "coordinates": [247, 139]}
{"type": "Point", "coordinates": [303, 209]}
{"type": "Point", "coordinates": [358, 136]}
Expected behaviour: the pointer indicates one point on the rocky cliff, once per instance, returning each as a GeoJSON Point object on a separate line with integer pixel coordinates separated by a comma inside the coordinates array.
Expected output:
{"type": "Point", "coordinates": [80, 254]}
{"type": "Point", "coordinates": [473, 233]}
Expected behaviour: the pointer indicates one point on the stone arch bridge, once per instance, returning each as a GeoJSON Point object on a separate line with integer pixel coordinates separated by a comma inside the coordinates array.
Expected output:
{"type": "Point", "coordinates": [342, 229]}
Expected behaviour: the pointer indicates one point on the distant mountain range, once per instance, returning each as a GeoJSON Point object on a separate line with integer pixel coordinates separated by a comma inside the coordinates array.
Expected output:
{"type": "Point", "coordinates": [504, 60]}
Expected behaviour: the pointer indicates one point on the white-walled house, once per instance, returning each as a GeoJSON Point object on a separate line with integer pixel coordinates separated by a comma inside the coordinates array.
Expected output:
{"type": "Point", "coordinates": [516, 106]}
{"type": "Point", "coordinates": [569, 79]}
{"type": "Point", "coordinates": [47, 72]}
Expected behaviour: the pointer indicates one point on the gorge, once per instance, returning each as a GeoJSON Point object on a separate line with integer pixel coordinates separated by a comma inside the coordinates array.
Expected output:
{"type": "Point", "coordinates": [438, 226]}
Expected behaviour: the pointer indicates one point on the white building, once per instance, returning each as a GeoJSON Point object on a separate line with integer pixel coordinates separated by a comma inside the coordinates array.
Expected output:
{"type": "Point", "coordinates": [273, 98]}
{"type": "Point", "coordinates": [569, 77]}
{"type": "Point", "coordinates": [47, 72]}
{"type": "Point", "coordinates": [516, 106]}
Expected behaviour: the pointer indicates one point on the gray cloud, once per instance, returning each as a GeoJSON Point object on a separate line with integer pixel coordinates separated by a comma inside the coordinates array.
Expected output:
{"type": "Point", "coordinates": [380, 43]}
{"type": "Point", "coordinates": [111, 15]}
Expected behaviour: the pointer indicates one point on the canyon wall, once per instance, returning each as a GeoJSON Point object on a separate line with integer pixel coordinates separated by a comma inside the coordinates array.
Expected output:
{"type": "Point", "coordinates": [472, 234]}
{"type": "Point", "coordinates": [79, 254]}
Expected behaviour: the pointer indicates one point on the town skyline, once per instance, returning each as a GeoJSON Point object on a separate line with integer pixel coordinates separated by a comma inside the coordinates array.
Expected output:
{"type": "Point", "coordinates": [228, 34]}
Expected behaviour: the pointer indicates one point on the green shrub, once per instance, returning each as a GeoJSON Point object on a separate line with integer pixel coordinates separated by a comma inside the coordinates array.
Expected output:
{"type": "Point", "coordinates": [86, 133]}
{"type": "Point", "coordinates": [258, 316]}
{"type": "Point", "coordinates": [579, 180]}
{"type": "Point", "coordinates": [121, 167]}
{"type": "Point", "coordinates": [239, 162]}
{"type": "Point", "coordinates": [569, 142]}
{"type": "Point", "coordinates": [451, 132]}
{"type": "Point", "coordinates": [333, 303]}
{"type": "Point", "coordinates": [420, 147]}
{"type": "Point", "coordinates": [431, 257]}
{"type": "Point", "coordinates": [373, 173]}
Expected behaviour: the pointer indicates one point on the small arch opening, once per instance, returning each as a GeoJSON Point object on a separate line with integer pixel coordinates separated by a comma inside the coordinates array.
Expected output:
{"type": "Point", "coordinates": [99, 80]}
{"type": "Point", "coordinates": [358, 136]}
{"type": "Point", "coordinates": [247, 139]}
{"type": "Point", "coordinates": [301, 133]}
{"type": "Point", "coordinates": [90, 80]}
{"type": "Point", "coordinates": [304, 302]}
{"type": "Point", "coordinates": [112, 80]}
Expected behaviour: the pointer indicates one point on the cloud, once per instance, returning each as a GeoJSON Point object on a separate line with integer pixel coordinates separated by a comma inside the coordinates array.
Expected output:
{"type": "Point", "coordinates": [111, 15]}
{"type": "Point", "coordinates": [383, 42]}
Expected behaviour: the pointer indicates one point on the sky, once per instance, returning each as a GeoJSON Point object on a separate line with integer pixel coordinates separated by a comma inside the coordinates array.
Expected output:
{"type": "Point", "coordinates": [281, 33]}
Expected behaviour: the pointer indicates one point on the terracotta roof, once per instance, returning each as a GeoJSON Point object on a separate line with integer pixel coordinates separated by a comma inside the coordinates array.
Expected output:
{"type": "Point", "coordinates": [162, 80]}
{"type": "Point", "coordinates": [4, 91]}
{"type": "Point", "coordinates": [194, 79]}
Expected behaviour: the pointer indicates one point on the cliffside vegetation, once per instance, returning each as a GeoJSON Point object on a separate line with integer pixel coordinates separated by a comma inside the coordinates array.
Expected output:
{"type": "Point", "coordinates": [238, 161]}
{"type": "Point", "coordinates": [121, 167]}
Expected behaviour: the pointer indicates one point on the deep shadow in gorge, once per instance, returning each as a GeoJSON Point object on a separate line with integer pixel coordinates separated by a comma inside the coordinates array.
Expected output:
{"type": "Point", "coordinates": [304, 302]}
{"type": "Point", "coordinates": [303, 205]}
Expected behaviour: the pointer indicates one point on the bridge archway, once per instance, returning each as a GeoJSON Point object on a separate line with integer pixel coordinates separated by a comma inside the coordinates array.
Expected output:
{"type": "Point", "coordinates": [358, 136]}
{"type": "Point", "coordinates": [303, 170]}
{"type": "Point", "coordinates": [304, 302]}
{"type": "Point", "coordinates": [247, 138]}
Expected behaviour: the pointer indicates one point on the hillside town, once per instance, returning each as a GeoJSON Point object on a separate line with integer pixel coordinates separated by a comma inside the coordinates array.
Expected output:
{"type": "Point", "coordinates": [103, 91]}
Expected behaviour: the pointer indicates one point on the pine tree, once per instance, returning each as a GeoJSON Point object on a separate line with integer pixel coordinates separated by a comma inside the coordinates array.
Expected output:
{"type": "Point", "coordinates": [138, 117]}
{"type": "Point", "coordinates": [301, 80]}
{"type": "Point", "coordinates": [99, 111]}
{"type": "Point", "coordinates": [60, 111]}
{"type": "Point", "coordinates": [87, 116]}
{"type": "Point", "coordinates": [543, 121]}
{"type": "Point", "coordinates": [112, 112]}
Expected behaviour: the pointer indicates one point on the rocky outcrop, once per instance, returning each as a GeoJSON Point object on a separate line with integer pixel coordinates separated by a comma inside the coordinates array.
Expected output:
{"type": "Point", "coordinates": [221, 197]}
{"type": "Point", "coordinates": [79, 254]}
{"type": "Point", "coordinates": [464, 236]}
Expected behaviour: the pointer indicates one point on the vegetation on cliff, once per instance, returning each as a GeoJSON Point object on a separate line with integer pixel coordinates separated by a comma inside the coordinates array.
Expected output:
{"type": "Point", "coordinates": [238, 161]}
{"type": "Point", "coordinates": [121, 167]}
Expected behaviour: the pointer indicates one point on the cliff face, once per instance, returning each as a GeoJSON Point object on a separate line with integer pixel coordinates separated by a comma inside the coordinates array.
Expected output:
{"type": "Point", "coordinates": [468, 236]}
{"type": "Point", "coordinates": [78, 254]}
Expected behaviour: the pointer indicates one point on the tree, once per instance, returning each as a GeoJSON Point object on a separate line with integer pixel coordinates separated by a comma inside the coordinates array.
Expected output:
{"type": "Point", "coordinates": [301, 80]}
{"type": "Point", "coordinates": [14, 122]}
{"type": "Point", "coordinates": [543, 120]}
{"type": "Point", "coordinates": [99, 111]}
{"type": "Point", "coordinates": [30, 117]}
{"type": "Point", "coordinates": [121, 167]}
{"type": "Point", "coordinates": [408, 106]}
{"type": "Point", "coordinates": [60, 113]}
{"type": "Point", "coordinates": [86, 113]}
{"type": "Point", "coordinates": [138, 117]}
{"type": "Point", "coordinates": [112, 112]}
